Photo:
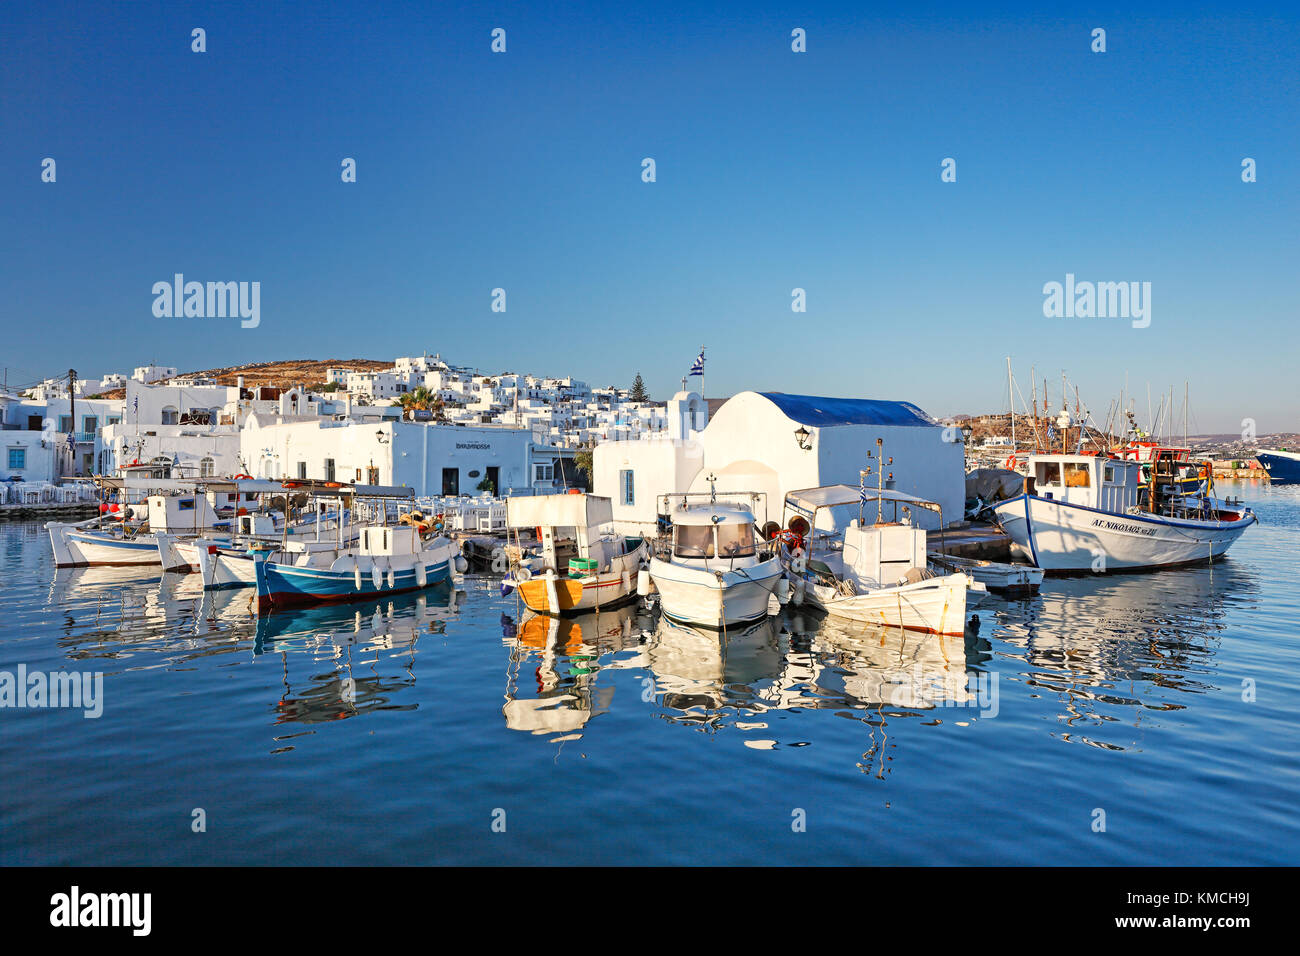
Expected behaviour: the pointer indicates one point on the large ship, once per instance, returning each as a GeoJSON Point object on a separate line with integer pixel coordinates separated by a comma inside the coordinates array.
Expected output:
{"type": "Point", "coordinates": [1283, 466]}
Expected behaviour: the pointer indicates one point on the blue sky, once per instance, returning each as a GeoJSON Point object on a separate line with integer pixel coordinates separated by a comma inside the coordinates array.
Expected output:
{"type": "Point", "coordinates": [775, 170]}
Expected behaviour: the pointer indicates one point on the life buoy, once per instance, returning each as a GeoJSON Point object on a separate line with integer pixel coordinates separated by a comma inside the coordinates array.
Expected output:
{"type": "Point", "coordinates": [1010, 463]}
{"type": "Point", "coordinates": [243, 477]}
{"type": "Point", "coordinates": [791, 539]}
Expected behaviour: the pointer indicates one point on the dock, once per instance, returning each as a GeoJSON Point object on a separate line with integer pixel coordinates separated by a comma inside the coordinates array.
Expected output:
{"type": "Point", "coordinates": [49, 511]}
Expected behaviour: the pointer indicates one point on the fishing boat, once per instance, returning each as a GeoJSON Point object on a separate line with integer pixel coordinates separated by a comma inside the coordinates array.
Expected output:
{"type": "Point", "coordinates": [294, 536]}
{"type": "Point", "coordinates": [127, 535]}
{"type": "Point", "coordinates": [1095, 513]}
{"type": "Point", "coordinates": [385, 559]}
{"type": "Point", "coordinates": [874, 573]}
{"type": "Point", "coordinates": [576, 565]}
{"type": "Point", "coordinates": [712, 569]}
{"type": "Point", "coordinates": [1283, 466]}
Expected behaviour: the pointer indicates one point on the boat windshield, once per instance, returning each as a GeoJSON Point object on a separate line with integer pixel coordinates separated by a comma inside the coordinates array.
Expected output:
{"type": "Point", "coordinates": [736, 540]}
{"type": "Point", "coordinates": [694, 541]}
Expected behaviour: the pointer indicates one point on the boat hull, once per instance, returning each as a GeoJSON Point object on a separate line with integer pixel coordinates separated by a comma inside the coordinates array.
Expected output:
{"type": "Point", "coordinates": [286, 585]}
{"type": "Point", "coordinates": [698, 596]}
{"type": "Point", "coordinates": [74, 547]}
{"type": "Point", "coordinates": [1282, 468]}
{"type": "Point", "coordinates": [1062, 537]}
{"type": "Point", "coordinates": [934, 606]}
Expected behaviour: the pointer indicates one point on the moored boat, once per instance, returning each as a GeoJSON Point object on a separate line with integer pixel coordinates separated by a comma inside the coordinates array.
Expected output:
{"type": "Point", "coordinates": [577, 566]}
{"type": "Point", "coordinates": [874, 572]}
{"type": "Point", "coordinates": [1092, 513]}
{"type": "Point", "coordinates": [1283, 466]}
{"type": "Point", "coordinates": [713, 572]}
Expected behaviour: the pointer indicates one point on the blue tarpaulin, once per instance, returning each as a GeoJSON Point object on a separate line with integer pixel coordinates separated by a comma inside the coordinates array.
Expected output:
{"type": "Point", "coordinates": [821, 412]}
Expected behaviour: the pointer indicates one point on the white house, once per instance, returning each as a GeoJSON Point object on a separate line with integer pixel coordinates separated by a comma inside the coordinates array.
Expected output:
{"type": "Point", "coordinates": [775, 443]}
{"type": "Point", "coordinates": [432, 459]}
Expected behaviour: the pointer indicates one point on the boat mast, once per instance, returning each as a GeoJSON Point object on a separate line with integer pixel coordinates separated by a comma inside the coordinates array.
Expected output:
{"type": "Point", "coordinates": [1011, 399]}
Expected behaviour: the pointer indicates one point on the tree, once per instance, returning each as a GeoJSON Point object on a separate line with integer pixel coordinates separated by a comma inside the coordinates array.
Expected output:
{"type": "Point", "coordinates": [420, 399]}
{"type": "Point", "coordinates": [582, 460]}
{"type": "Point", "coordinates": [638, 390]}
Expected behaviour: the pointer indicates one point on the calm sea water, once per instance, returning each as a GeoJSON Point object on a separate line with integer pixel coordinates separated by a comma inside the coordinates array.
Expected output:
{"type": "Point", "coordinates": [1127, 720]}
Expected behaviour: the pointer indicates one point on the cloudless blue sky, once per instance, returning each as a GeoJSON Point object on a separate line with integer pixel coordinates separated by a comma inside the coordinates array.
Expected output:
{"type": "Point", "coordinates": [775, 170]}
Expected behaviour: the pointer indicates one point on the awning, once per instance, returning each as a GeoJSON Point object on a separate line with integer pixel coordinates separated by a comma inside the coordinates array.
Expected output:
{"type": "Point", "coordinates": [808, 500]}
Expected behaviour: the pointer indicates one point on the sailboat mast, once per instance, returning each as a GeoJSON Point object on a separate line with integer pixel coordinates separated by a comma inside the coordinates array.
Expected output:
{"type": "Point", "coordinates": [1011, 399]}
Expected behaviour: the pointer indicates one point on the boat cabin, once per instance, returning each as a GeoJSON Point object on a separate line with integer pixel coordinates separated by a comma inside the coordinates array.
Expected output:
{"type": "Point", "coordinates": [870, 553]}
{"type": "Point", "coordinates": [713, 531]}
{"type": "Point", "coordinates": [186, 512]}
{"type": "Point", "coordinates": [1108, 484]}
{"type": "Point", "coordinates": [569, 529]}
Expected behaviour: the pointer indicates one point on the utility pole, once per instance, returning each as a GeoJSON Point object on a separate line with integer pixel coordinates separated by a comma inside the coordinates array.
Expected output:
{"type": "Point", "coordinates": [72, 414]}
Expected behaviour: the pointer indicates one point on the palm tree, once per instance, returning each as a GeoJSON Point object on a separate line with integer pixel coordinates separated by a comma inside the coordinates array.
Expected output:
{"type": "Point", "coordinates": [418, 399]}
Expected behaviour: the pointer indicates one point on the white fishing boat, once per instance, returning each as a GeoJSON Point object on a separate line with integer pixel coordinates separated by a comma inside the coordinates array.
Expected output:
{"type": "Point", "coordinates": [1091, 513]}
{"type": "Point", "coordinates": [872, 572]}
{"type": "Point", "coordinates": [129, 535]}
{"type": "Point", "coordinates": [576, 566]}
{"type": "Point", "coordinates": [994, 575]}
{"type": "Point", "coordinates": [714, 572]}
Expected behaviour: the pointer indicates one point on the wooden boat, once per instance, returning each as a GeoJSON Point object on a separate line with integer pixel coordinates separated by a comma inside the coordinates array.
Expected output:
{"type": "Point", "coordinates": [873, 573]}
{"type": "Point", "coordinates": [578, 566]}
{"type": "Point", "coordinates": [387, 560]}
{"type": "Point", "coordinates": [1091, 513]}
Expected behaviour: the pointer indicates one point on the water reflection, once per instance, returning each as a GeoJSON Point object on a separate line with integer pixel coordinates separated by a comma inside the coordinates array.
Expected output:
{"type": "Point", "coordinates": [345, 660]}
{"type": "Point", "coordinates": [565, 657]}
{"type": "Point", "coordinates": [1109, 651]}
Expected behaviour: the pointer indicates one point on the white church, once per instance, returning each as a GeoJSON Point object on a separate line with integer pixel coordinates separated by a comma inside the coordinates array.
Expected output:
{"type": "Point", "coordinates": [775, 443]}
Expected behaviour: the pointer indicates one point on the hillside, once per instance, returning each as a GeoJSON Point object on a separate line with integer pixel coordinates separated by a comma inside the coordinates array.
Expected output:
{"type": "Point", "coordinates": [282, 374]}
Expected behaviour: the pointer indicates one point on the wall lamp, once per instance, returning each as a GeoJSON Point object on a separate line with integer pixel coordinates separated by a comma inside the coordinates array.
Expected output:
{"type": "Point", "coordinates": [803, 437]}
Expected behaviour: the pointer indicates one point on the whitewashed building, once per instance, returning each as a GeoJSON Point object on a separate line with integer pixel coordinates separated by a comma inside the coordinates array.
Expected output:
{"type": "Point", "coordinates": [775, 443]}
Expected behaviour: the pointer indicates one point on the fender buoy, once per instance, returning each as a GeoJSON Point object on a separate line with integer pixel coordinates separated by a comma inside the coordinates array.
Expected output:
{"type": "Point", "coordinates": [522, 574]}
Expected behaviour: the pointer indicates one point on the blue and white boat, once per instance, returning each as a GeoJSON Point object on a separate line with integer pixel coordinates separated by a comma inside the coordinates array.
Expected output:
{"type": "Point", "coordinates": [1283, 466]}
{"type": "Point", "coordinates": [386, 560]}
{"type": "Point", "coordinates": [1082, 513]}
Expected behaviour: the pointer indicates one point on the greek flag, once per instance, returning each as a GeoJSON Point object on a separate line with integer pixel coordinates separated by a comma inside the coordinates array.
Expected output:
{"type": "Point", "coordinates": [1051, 432]}
{"type": "Point", "coordinates": [862, 493]}
{"type": "Point", "coordinates": [698, 367]}
{"type": "Point", "coordinates": [136, 404]}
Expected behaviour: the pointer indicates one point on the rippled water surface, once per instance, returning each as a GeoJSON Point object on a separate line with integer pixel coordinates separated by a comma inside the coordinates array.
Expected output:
{"type": "Point", "coordinates": [1126, 720]}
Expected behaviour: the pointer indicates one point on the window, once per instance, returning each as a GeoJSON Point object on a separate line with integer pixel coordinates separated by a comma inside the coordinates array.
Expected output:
{"type": "Point", "coordinates": [34, 423]}
{"type": "Point", "coordinates": [89, 424]}
{"type": "Point", "coordinates": [625, 482]}
{"type": "Point", "coordinates": [17, 458]}
{"type": "Point", "coordinates": [170, 415]}
{"type": "Point", "coordinates": [1108, 476]}
{"type": "Point", "coordinates": [1049, 473]}
{"type": "Point", "coordinates": [1077, 476]}
{"type": "Point", "coordinates": [113, 420]}
{"type": "Point", "coordinates": [693, 540]}
{"type": "Point", "coordinates": [543, 472]}
{"type": "Point", "coordinates": [736, 540]}
{"type": "Point", "coordinates": [207, 467]}
{"type": "Point", "coordinates": [329, 469]}
{"type": "Point", "coordinates": [65, 424]}
{"type": "Point", "coordinates": [302, 470]}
